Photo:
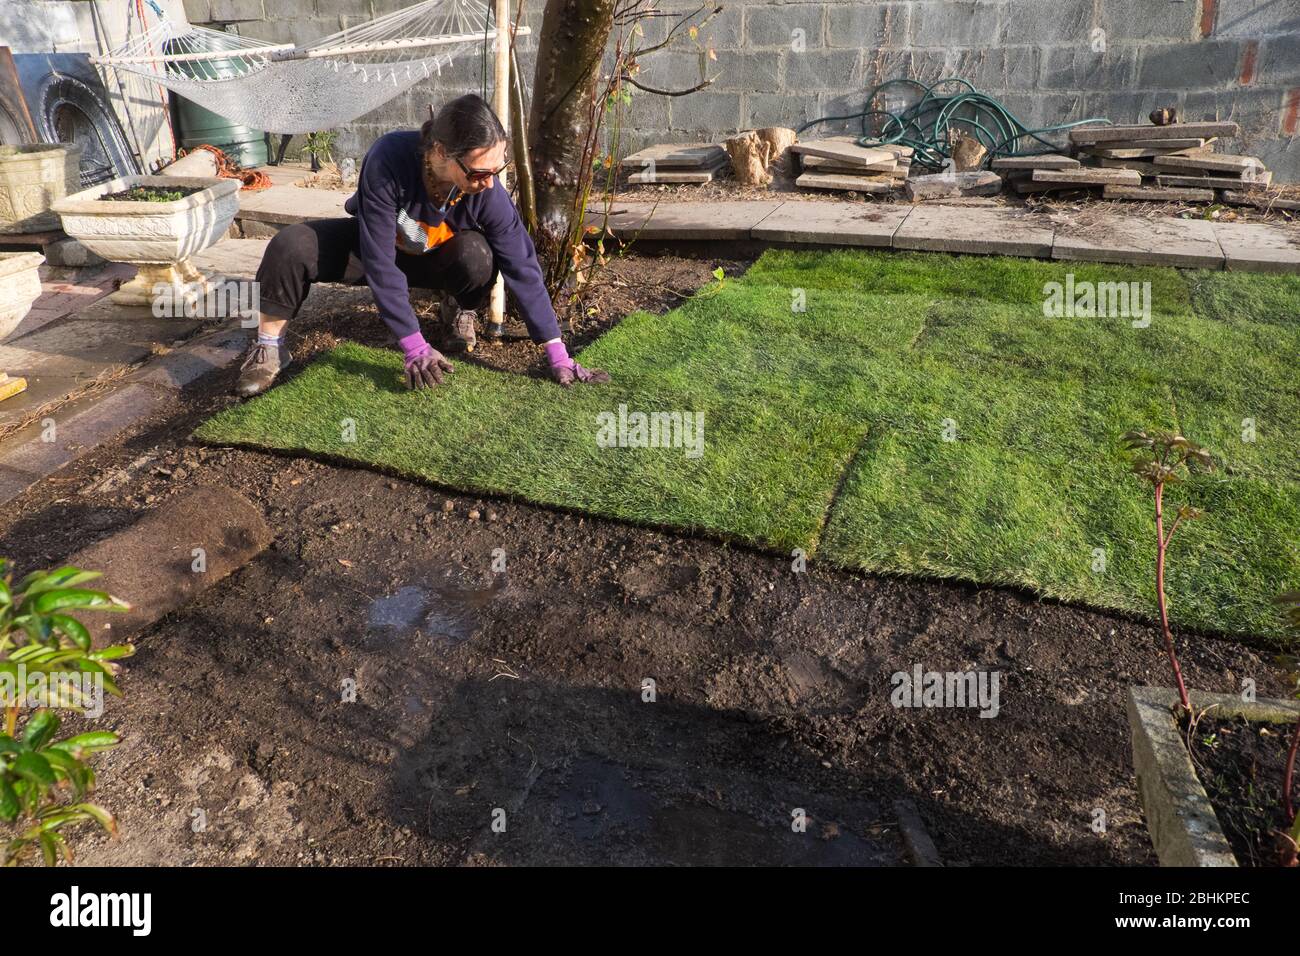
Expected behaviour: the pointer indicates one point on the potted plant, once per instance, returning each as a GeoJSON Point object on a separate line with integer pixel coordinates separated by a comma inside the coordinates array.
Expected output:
{"type": "Point", "coordinates": [20, 286]}
{"type": "Point", "coordinates": [154, 223]}
{"type": "Point", "coordinates": [32, 179]}
{"type": "Point", "coordinates": [1175, 730]}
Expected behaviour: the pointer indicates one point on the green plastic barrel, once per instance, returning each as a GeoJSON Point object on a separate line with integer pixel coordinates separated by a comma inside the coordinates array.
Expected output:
{"type": "Point", "coordinates": [197, 125]}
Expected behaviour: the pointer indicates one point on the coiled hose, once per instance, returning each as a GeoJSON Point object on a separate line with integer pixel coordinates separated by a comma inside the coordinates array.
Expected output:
{"type": "Point", "coordinates": [925, 125]}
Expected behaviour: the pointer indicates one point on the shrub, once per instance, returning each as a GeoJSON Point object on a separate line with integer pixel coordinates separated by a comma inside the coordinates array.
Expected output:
{"type": "Point", "coordinates": [46, 655]}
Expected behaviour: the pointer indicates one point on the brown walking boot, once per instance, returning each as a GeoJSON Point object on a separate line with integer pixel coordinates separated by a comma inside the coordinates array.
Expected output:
{"type": "Point", "coordinates": [458, 327]}
{"type": "Point", "coordinates": [260, 369]}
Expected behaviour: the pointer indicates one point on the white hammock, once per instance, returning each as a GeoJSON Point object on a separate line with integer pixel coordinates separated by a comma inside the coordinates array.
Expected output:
{"type": "Point", "coordinates": [282, 88]}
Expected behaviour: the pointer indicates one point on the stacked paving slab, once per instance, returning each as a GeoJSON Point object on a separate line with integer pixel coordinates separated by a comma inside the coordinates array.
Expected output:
{"type": "Point", "coordinates": [1173, 163]}
{"type": "Point", "coordinates": [675, 163]}
{"type": "Point", "coordinates": [840, 162]}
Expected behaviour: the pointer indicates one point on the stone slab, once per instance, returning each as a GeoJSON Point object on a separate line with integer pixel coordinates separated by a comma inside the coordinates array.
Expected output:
{"type": "Point", "coordinates": [151, 563]}
{"type": "Point", "coordinates": [878, 185]}
{"type": "Point", "coordinates": [685, 220]}
{"type": "Point", "coordinates": [845, 224]}
{"type": "Point", "coordinates": [823, 165]}
{"type": "Point", "coordinates": [78, 346]}
{"type": "Point", "coordinates": [1214, 162]}
{"type": "Point", "coordinates": [1214, 182]}
{"type": "Point", "coordinates": [995, 231]}
{"type": "Point", "coordinates": [1110, 134]}
{"type": "Point", "coordinates": [688, 155]}
{"type": "Point", "coordinates": [71, 254]}
{"type": "Point", "coordinates": [1162, 144]}
{"type": "Point", "coordinates": [1258, 247]}
{"type": "Point", "coordinates": [1045, 161]}
{"type": "Point", "coordinates": [844, 149]}
{"type": "Point", "coordinates": [1085, 176]}
{"type": "Point", "coordinates": [1158, 194]}
{"type": "Point", "coordinates": [1188, 243]}
{"type": "Point", "coordinates": [1146, 152]}
{"type": "Point", "coordinates": [287, 205]}
{"type": "Point", "coordinates": [1179, 816]}
{"type": "Point", "coordinates": [196, 358]}
{"type": "Point", "coordinates": [645, 177]}
{"type": "Point", "coordinates": [26, 458]}
{"type": "Point", "coordinates": [950, 185]}
{"type": "Point", "coordinates": [233, 258]}
{"type": "Point", "coordinates": [1140, 166]}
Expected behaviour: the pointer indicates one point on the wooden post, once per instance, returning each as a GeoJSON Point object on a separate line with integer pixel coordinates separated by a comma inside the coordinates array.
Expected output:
{"type": "Point", "coordinates": [501, 106]}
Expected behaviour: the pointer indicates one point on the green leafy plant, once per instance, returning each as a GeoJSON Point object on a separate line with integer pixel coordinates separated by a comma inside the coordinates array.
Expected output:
{"type": "Point", "coordinates": [320, 147]}
{"type": "Point", "coordinates": [44, 781]}
{"type": "Point", "coordinates": [1161, 458]}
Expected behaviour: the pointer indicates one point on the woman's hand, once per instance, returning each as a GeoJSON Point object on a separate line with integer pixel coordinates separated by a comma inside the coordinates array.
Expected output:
{"type": "Point", "coordinates": [566, 371]}
{"type": "Point", "coordinates": [425, 365]}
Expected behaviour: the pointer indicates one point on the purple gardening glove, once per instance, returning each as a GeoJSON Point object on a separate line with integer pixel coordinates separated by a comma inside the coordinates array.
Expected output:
{"type": "Point", "coordinates": [566, 371]}
{"type": "Point", "coordinates": [424, 364]}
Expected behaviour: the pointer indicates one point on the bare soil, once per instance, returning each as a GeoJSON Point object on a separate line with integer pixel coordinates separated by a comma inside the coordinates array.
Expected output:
{"type": "Point", "coordinates": [1240, 764]}
{"type": "Point", "coordinates": [614, 695]}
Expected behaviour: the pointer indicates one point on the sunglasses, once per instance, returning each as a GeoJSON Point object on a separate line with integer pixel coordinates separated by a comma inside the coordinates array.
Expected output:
{"type": "Point", "coordinates": [481, 175]}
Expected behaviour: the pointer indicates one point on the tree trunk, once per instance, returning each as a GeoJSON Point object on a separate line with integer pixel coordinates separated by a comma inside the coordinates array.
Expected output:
{"type": "Point", "coordinates": [571, 41]}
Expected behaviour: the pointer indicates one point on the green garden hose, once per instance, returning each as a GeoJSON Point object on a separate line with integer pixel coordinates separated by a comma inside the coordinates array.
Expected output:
{"type": "Point", "coordinates": [925, 124]}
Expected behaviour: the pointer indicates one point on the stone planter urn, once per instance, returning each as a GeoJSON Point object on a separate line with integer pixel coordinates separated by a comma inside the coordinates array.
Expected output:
{"type": "Point", "coordinates": [32, 179]}
{"type": "Point", "coordinates": [20, 286]}
{"type": "Point", "coordinates": [156, 237]}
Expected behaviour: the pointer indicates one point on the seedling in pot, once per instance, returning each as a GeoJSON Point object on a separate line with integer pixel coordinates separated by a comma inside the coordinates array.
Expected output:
{"type": "Point", "coordinates": [1161, 458]}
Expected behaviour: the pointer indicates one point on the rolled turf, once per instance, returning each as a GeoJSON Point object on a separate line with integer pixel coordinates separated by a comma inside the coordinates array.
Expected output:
{"type": "Point", "coordinates": [900, 413]}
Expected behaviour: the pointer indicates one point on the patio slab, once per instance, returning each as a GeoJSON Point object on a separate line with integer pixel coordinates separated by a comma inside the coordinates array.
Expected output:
{"type": "Point", "coordinates": [686, 220]}
{"type": "Point", "coordinates": [29, 457]}
{"type": "Point", "coordinates": [1189, 243]}
{"type": "Point", "coordinates": [1258, 247]}
{"type": "Point", "coordinates": [285, 204]}
{"type": "Point", "coordinates": [842, 224]}
{"type": "Point", "coordinates": [990, 231]}
{"type": "Point", "coordinates": [233, 258]}
{"type": "Point", "coordinates": [70, 354]}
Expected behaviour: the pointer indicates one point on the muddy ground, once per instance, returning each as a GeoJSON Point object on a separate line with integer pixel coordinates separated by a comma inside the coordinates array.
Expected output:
{"type": "Point", "coordinates": [483, 694]}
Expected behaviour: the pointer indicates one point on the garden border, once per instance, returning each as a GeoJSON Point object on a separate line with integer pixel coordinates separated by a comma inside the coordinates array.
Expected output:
{"type": "Point", "coordinates": [1180, 819]}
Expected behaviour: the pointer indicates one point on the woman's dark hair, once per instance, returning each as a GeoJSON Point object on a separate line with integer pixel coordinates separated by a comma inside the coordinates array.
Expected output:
{"type": "Point", "coordinates": [465, 124]}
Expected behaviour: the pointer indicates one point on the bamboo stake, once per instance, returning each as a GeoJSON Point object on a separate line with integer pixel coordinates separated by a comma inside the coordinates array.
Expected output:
{"type": "Point", "coordinates": [501, 106]}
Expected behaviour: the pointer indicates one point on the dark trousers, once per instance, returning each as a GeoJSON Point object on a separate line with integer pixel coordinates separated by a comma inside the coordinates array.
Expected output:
{"type": "Point", "coordinates": [329, 250]}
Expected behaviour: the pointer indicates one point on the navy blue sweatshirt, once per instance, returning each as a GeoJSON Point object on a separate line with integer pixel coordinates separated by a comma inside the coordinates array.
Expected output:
{"type": "Point", "coordinates": [396, 215]}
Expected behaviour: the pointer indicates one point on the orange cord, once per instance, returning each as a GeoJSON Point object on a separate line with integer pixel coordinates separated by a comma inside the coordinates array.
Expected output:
{"type": "Point", "coordinates": [227, 168]}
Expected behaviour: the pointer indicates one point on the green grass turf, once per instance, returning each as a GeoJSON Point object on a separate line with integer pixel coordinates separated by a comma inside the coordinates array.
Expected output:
{"type": "Point", "coordinates": [824, 428]}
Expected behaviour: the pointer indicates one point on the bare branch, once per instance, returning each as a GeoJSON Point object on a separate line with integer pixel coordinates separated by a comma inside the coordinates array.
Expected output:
{"type": "Point", "coordinates": [651, 89]}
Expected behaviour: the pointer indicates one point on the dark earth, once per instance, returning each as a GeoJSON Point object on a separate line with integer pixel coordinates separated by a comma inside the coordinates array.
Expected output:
{"type": "Point", "coordinates": [1241, 766]}
{"type": "Point", "coordinates": [484, 696]}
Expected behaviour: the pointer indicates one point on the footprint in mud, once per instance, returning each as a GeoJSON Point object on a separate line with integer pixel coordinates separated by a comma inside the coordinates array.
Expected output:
{"type": "Point", "coordinates": [446, 615]}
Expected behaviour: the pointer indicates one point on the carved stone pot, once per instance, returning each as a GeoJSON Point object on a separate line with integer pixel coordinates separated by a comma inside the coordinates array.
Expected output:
{"type": "Point", "coordinates": [32, 179]}
{"type": "Point", "coordinates": [20, 286]}
{"type": "Point", "coordinates": [156, 237]}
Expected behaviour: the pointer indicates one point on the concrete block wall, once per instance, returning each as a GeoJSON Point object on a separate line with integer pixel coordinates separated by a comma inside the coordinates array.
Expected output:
{"type": "Point", "coordinates": [784, 62]}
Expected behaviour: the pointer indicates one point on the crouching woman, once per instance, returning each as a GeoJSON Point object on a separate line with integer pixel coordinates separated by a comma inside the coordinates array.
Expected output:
{"type": "Point", "coordinates": [429, 213]}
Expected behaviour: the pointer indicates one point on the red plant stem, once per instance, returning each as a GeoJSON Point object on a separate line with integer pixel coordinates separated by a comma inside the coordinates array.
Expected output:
{"type": "Point", "coordinates": [1288, 778]}
{"type": "Point", "coordinates": [1161, 543]}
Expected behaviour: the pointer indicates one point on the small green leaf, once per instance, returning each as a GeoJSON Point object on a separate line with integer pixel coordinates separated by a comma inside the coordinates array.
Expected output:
{"type": "Point", "coordinates": [8, 801]}
{"type": "Point", "coordinates": [41, 728]}
{"type": "Point", "coordinates": [34, 767]}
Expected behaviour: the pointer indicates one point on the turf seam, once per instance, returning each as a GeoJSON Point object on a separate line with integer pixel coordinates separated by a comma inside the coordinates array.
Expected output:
{"type": "Point", "coordinates": [840, 482]}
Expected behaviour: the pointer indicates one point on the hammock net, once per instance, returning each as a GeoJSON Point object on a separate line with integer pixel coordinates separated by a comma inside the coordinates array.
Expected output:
{"type": "Point", "coordinates": [282, 88]}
